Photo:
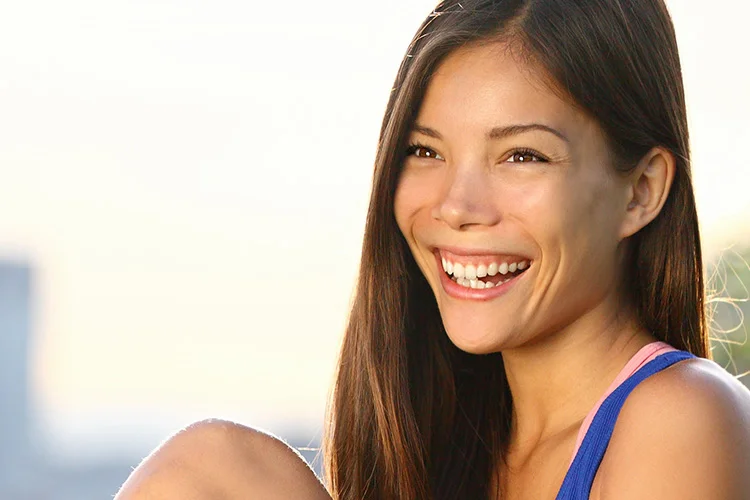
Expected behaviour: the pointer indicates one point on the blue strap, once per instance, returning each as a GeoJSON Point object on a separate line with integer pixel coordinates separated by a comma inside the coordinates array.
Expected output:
{"type": "Point", "coordinates": [580, 476]}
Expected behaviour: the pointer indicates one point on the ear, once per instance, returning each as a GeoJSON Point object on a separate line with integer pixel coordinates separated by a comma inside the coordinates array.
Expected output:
{"type": "Point", "coordinates": [648, 188]}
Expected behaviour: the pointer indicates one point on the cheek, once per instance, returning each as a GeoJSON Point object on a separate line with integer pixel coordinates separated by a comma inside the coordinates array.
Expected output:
{"type": "Point", "coordinates": [588, 225]}
{"type": "Point", "coordinates": [575, 200]}
{"type": "Point", "coordinates": [402, 207]}
{"type": "Point", "coordinates": [539, 204]}
{"type": "Point", "coordinates": [564, 216]}
{"type": "Point", "coordinates": [414, 194]}
{"type": "Point", "coordinates": [597, 208]}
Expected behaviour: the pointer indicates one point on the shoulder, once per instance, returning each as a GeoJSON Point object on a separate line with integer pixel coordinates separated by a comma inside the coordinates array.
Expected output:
{"type": "Point", "coordinates": [218, 458]}
{"type": "Point", "coordinates": [682, 433]}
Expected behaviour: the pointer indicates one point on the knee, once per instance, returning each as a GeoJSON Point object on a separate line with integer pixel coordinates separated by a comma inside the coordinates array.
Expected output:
{"type": "Point", "coordinates": [224, 458]}
{"type": "Point", "coordinates": [264, 464]}
{"type": "Point", "coordinates": [254, 450]}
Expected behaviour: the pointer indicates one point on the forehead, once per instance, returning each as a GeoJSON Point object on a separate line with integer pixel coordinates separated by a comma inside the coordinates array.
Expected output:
{"type": "Point", "coordinates": [489, 85]}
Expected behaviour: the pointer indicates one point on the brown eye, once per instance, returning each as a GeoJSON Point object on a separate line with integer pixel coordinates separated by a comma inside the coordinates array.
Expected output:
{"type": "Point", "coordinates": [423, 152]}
{"type": "Point", "coordinates": [525, 157]}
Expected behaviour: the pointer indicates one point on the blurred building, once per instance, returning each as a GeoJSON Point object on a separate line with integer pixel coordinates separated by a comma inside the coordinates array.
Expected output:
{"type": "Point", "coordinates": [16, 455]}
{"type": "Point", "coordinates": [27, 470]}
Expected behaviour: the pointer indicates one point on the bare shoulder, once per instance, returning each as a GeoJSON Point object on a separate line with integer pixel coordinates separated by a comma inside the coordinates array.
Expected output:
{"type": "Point", "coordinates": [682, 433]}
{"type": "Point", "coordinates": [220, 459]}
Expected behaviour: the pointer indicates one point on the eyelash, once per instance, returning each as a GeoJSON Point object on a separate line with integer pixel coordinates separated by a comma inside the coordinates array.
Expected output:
{"type": "Point", "coordinates": [528, 152]}
{"type": "Point", "coordinates": [412, 148]}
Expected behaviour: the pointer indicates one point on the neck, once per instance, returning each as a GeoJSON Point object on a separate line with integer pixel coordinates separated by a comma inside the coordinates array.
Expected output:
{"type": "Point", "coordinates": [555, 382]}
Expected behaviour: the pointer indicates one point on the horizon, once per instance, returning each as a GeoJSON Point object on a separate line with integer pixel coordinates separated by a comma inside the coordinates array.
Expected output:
{"type": "Point", "coordinates": [164, 175]}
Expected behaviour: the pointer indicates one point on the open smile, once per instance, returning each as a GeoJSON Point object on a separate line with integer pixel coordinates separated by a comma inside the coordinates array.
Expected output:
{"type": "Point", "coordinates": [479, 277]}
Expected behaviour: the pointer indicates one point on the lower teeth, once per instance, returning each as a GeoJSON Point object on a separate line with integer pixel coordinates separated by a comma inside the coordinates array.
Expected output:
{"type": "Point", "coordinates": [477, 283]}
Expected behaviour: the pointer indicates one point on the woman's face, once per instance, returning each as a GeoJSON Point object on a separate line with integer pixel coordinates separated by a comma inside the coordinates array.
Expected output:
{"type": "Point", "coordinates": [513, 188]}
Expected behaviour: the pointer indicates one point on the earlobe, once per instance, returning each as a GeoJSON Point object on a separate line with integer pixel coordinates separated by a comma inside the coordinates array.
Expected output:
{"type": "Point", "coordinates": [649, 187]}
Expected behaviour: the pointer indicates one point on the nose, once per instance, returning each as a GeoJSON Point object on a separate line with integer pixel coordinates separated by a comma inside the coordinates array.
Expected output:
{"type": "Point", "coordinates": [468, 200]}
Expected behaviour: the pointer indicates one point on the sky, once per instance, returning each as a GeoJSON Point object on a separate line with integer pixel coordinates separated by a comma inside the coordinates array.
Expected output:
{"type": "Point", "coordinates": [189, 181]}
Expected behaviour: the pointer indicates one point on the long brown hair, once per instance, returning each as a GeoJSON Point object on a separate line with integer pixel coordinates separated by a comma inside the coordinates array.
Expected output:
{"type": "Point", "coordinates": [412, 416]}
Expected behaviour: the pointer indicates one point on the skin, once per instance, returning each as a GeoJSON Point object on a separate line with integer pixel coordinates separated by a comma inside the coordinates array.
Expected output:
{"type": "Point", "coordinates": [563, 329]}
{"type": "Point", "coordinates": [220, 460]}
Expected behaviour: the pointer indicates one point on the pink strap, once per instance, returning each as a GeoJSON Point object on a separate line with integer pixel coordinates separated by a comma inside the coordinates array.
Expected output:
{"type": "Point", "coordinates": [646, 354]}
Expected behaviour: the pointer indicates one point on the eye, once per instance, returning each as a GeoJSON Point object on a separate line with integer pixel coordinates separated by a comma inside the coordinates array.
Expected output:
{"type": "Point", "coordinates": [525, 156]}
{"type": "Point", "coordinates": [421, 151]}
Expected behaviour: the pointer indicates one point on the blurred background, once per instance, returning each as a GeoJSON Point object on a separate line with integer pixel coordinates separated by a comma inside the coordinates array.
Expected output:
{"type": "Point", "coordinates": [183, 187]}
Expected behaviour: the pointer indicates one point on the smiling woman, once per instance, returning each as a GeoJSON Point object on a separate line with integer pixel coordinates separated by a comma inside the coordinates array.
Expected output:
{"type": "Point", "coordinates": [529, 318]}
{"type": "Point", "coordinates": [541, 180]}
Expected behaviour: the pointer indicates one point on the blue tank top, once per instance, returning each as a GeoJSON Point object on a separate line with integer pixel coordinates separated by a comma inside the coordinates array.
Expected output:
{"type": "Point", "coordinates": [580, 477]}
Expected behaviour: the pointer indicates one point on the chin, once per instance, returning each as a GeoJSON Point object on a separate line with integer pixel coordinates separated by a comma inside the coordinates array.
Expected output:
{"type": "Point", "coordinates": [475, 339]}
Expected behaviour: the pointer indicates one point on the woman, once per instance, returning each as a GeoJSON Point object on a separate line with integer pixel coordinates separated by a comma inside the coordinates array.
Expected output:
{"type": "Point", "coordinates": [529, 319]}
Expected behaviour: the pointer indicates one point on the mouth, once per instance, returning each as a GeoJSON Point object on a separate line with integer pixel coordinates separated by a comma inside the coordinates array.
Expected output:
{"type": "Point", "coordinates": [481, 272]}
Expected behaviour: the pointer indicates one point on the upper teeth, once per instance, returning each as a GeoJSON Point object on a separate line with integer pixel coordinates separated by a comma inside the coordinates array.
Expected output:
{"type": "Point", "coordinates": [472, 272]}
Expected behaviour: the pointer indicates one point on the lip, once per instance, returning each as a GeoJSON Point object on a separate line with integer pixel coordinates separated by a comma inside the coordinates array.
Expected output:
{"type": "Point", "coordinates": [457, 291]}
{"type": "Point", "coordinates": [463, 252]}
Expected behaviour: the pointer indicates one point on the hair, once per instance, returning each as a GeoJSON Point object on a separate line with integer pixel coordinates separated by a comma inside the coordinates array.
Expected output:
{"type": "Point", "coordinates": [406, 419]}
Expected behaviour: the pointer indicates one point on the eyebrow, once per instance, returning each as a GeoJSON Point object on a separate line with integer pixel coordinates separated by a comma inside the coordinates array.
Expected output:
{"type": "Point", "coordinates": [497, 132]}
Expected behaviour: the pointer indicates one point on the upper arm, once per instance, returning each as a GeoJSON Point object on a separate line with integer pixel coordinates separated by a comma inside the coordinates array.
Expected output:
{"type": "Point", "coordinates": [683, 433]}
{"type": "Point", "coordinates": [216, 459]}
